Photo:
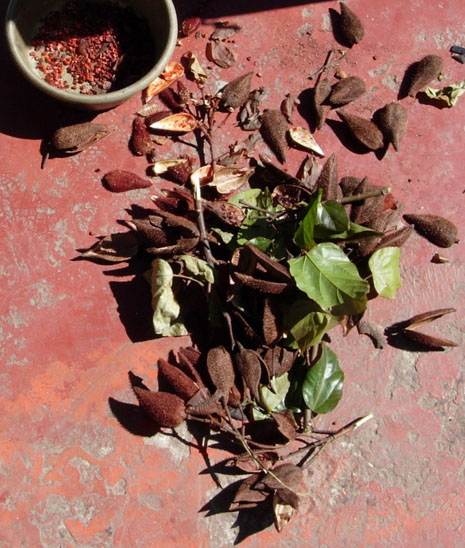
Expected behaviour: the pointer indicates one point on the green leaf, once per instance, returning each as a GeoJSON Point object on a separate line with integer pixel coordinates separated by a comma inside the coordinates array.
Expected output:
{"type": "Point", "coordinates": [307, 323]}
{"type": "Point", "coordinates": [326, 275]}
{"type": "Point", "coordinates": [303, 236]}
{"type": "Point", "coordinates": [274, 401]}
{"type": "Point", "coordinates": [331, 219]}
{"type": "Point", "coordinates": [322, 386]}
{"type": "Point", "coordinates": [198, 268]}
{"type": "Point", "coordinates": [384, 266]}
{"type": "Point", "coordinates": [355, 232]}
{"type": "Point", "coordinates": [165, 307]}
{"type": "Point", "coordinates": [449, 94]}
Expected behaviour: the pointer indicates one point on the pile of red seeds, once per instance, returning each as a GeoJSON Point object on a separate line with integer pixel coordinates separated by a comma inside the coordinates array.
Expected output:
{"type": "Point", "coordinates": [92, 48]}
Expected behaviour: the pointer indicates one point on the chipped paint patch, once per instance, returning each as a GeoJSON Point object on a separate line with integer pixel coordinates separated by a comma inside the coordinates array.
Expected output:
{"type": "Point", "coordinates": [392, 82]}
{"type": "Point", "coordinates": [179, 451]}
{"type": "Point", "coordinates": [379, 70]}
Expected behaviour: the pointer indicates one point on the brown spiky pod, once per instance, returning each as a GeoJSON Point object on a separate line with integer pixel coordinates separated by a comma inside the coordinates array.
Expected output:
{"type": "Point", "coordinates": [365, 131]}
{"type": "Point", "coordinates": [328, 179]}
{"type": "Point", "coordinates": [273, 130]}
{"type": "Point", "coordinates": [438, 230]}
{"type": "Point", "coordinates": [392, 121]}
{"type": "Point", "coordinates": [347, 90]}
{"type": "Point", "coordinates": [165, 409]}
{"type": "Point", "coordinates": [350, 27]}
{"type": "Point", "coordinates": [220, 368]}
{"type": "Point", "coordinates": [249, 367]}
{"type": "Point", "coordinates": [236, 93]}
{"type": "Point", "coordinates": [423, 72]}
{"type": "Point", "coordinates": [182, 385]}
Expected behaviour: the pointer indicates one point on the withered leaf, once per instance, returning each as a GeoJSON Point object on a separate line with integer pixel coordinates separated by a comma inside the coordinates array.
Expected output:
{"type": "Point", "coordinates": [77, 137]}
{"type": "Point", "coordinates": [220, 54]}
{"type": "Point", "coordinates": [427, 341]}
{"type": "Point", "coordinates": [226, 212]}
{"type": "Point", "coordinates": [249, 368]}
{"type": "Point", "coordinates": [120, 180]}
{"type": "Point", "coordinates": [141, 143]}
{"type": "Point", "coordinates": [287, 106]}
{"type": "Point", "coordinates": [374, 331]}
{"type": "Point", "coordinates": [426, 317]}
{"type": "Point", "coordinates": [246, 494]}
{"type": "Point", "coordinates": [286, 424]}
{"type": "Point", "coordinates": [277, 270]}
{"type": "Point", "coordinates": [203, 404]}
{"type": "Point", "coordinates": [279, 360]}
{"type": "Point", "coordinates": [249, 116]}
{"type": "Point", "coordinates": [392, 121]}
{"type": "Point", "coordinates": [220, 368]}
{"type": "Point", "coordinates": [115, 248]}
{"type": "Point", "coordinates": [235, 94]}
{"type": "Point", "coordinates": [423, 72]}
{"type": "Point", "coordinates": [436, 229]}
{"type": "Point", "coordinates": [223, 33]}
{"type": "Point", "coordinates": [285, 503]}
{"type": "Point", "coordinates": [182, 385]}
{"type": "Point", "coordinates": [350, 27]}
{"type": "Point", "coordinates": [347, 90]}
{"type": "Point", "coordinates": [165, 409]}
{"type": "Point", "coordinates": [287, 475]}
{"type": "Point", "coordinates": [273, 130]}
{"type": "Point", "coordinates": [309, 171]}
{"type": "Point", "coordinates": [365, 131]}
{"type": "Point", "coordinates": [195, 69]}
{"type": "Point", "coordinates": [328, 179]}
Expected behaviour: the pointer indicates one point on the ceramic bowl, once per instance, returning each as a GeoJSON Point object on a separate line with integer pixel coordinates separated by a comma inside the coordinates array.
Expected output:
{"type": "Point", "coordinates": [24, 17]}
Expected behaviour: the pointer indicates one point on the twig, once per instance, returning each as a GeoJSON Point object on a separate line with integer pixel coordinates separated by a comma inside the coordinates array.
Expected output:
{"type": "Point", "coordinates": [201, 224]}
{"type": "Point", "coordinates": [370, 194]}
{"type": "Point", "coordinates": [324, 66]}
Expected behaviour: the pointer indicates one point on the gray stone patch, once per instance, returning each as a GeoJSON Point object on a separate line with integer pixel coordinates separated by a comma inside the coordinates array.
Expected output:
{"type": "Point", "coordinates": [379, 70]}
{"type": "Point", "coordinates": [118, 489]}
{"type": "Point", "coordinates": [325, 22]}
{"type": "Point", "coordinates": [305, 29]}
{"type": "Point", "coordinates": [87, 471]}
{"type": "Point", "coordinates": [306, 12]}
{"type": "Point", "coordinates": [179, 451]}
{"type": "Point", "coordinates": [98, 443]}
{"type": "Point", "coordinates": [403, 373]}
{"type": "Point", "coordinates": [392, 81]}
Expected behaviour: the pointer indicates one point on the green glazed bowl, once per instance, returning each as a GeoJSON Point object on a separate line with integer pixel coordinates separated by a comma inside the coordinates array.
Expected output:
{"type": "Point", "coordinates": [22, 22]}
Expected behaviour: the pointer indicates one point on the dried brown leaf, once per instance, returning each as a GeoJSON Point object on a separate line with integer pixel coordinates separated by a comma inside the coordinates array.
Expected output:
{"type": "Point", "coordinates": [287, 475]}
{"type": "Point", "coordinates": [220, 54]}
{"type": "Point", "coordinates": [249, 116]}
{"type": "Point", "coordinates": [279, 360]}
{"type": "Point", "coordinates": [287, 106]}
{"type": "Point", "coordinates": [223, 33]}
{"type": "Point", "coordinates": [286, 424]}
{"type": "Point", "coordinates": [321, 92]}
{"type": "Point", "coordinates": [436, 229]}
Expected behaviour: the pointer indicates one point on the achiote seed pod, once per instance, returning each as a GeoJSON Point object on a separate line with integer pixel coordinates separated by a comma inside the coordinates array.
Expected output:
{"type": "Point", "coordinates": [392, 121]}
{"type": "Point", "coordinates": [350, 27]}
{"type": "Point", "coordinates": [167, 410]}
{"type": "Point", "coordinates": [273, 130]}
{"type": "Point", "coordinates": [427, 341]}
{"type": "Point", "coordinates": [438, 230]}
{"type": "Point", "coordinates": [365, 131]}
{"type": "Point", "coordinates": [249, 368]}
{"type": "Point", "coordinates": [236, 93]}
{"type": "Point", "coordinates": [141, 143]}
{"type": "Point", "coordinates": [328, 179]}
{"type": "Point", "coordinates": [423, 72]}
{"type": "Point", "coordinates": [321, 92]}
{"type": "Point", "coordinates": [220, 368]}
{"type": "Point", "coordinates": [347, 90]}
{"type": "Point", "coordinates": [119, 180]}
{"type": "Point", "coordinates": [183, 385]}
{"type": "Point", "coordinates": [75, 138]}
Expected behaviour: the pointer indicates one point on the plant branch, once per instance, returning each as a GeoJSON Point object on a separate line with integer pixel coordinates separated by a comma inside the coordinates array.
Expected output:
{"type": "Point", "coordinates": [370, 194]}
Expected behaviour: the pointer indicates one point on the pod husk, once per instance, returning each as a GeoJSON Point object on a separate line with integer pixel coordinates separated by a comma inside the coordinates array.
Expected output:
{"type": "Point", "coordinates": [347, 90]}
{"type": "Point", "coordinates": [437, 230]}
{"type": "Point", "coordinates": [328, 179]}
{"type": "Point", "coordinates": [163, 408]}
{"type": "Point", "coordinates": [350, 27]}
{"type": "Point", "coordinates": [365, 131]}
{"type": "Point", "coordinates": [423, 72]}
{"type": "Point", "coordinates": [392, 121]}
{"type": "Point", "coordinates": [235, 94]}
{"type": "Point", "coordinates": [273, 129]}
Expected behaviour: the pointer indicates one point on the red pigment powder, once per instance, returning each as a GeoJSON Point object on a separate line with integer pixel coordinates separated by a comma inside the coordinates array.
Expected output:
{"type": "Point", "coordinates": [92, 48]}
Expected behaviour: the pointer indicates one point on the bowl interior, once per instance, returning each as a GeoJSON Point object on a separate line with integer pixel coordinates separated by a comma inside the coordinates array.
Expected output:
{"type": "Point", "coordinates": [24, 19]}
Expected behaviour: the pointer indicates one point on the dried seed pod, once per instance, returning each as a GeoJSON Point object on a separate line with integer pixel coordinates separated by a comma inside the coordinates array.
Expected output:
{"type": "Point", "coordinates": [321, 92]}
{"type": "Point", "coordinates": [285, 504]}
{"type": "Point", "coordinates": [114, 248]}
{"type": "Point", "coordinates": [439, 259]}
{"type": "Point", "coordinates": [328, 179]}
{"type": "Point", "coordinates": [395, 239]}
{"type": "Point", "coordinates": [287, 106]}
{"type": "Point", "coordinates": [365, 131]}
{"type": "Point", "coordinates": [438, 230]}
{"type": "Point", "coordinates": [220, 368]}
{"type": "Point", "coordinates": [273, 130]}
{"type": "Point", "coordinates": [263, 286]}
{"type": "Point", "coordinates": [189, 25]}
{"type": "Point", "coordinates": [183, 385]}
{"type": "Point", "coordinates": [349, 184]}
{"type": "Point", "coordinates": [392, 121]}
{"type": "Point", "coordinates": [141, 142]}
{"type": "Point", "coordinates": [425, 317]}
{"type": "Point", "coordinates": [235, 94]}
{"type": "Point", "coordinates": [279, 360]}
{"type": "Point", "coordinates": [423, 72]}
{"type": "Point", "coordinates": [278, 271]}
{"type": "Point", "coordinates": [271, 322]}
{"type": "Point", "coordinates": [226, 212]}
{"type": "Point", "coordinates": [188, 359]}
{"type": "Point", "coordinates": [172, 72]}
{"type": "Point", "coordinates": [369, 208]}
{"type": "Point", "coordinates": [427, 341]}
{"type": "Point", "coordinates": [305, 140]}
{"type": "Point", "coordinates": [178, 123]}
{"type": "Point", "coordinates": [221, 54]}
{"type": "Point", "coordinates": [119, 180]}
{"type": "Point", "coordinates": [167, 410]}
{"type": "Point", "coordinates": [179, 173]}
{"type": "Point", "coordinates": [350, 27]}
{"type": "Point", "coordinates": [75, 138]}
{"type": "Point", "coordinates": [346, 91]}
{"type": "Point", "coordinates": [286, 424]}
{"type": "Point", "coordinates": [250, 369]}
{"type": "Point", "coordinates": [171, 99]}
{"type": "Point", "coordinates": [230, 179]}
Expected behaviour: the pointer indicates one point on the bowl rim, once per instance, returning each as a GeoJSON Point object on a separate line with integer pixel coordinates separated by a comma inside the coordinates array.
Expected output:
{"type": "Point", "coordinates": [107, 99]}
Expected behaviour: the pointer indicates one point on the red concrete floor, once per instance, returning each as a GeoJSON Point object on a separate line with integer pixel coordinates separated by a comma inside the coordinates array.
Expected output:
{"type": "Point", "coordinates": [71, 475]}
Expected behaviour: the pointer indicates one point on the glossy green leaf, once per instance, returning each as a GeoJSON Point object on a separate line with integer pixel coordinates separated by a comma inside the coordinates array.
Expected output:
{"type": "Point", "coordinates": [306, 322]}
{"type": "Point", "coordinates": [331, 219]}
{"type": "Point", "coordinates": [322, 386]}
{"type": "Point", "coordinates": [274, 401]}
{"type": "Point", "coordinates": [303, 236]}
{"type": "Point", "coordinates": [165, 308]}
{"type": "Point", "coordinates": [355, 232]}
{"type": "Point", "coordinates": [384, 266]}
{"type": "Point", "coordinates": [198, 268]}
{"type": "Point", "coordinates": [326, 275]}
